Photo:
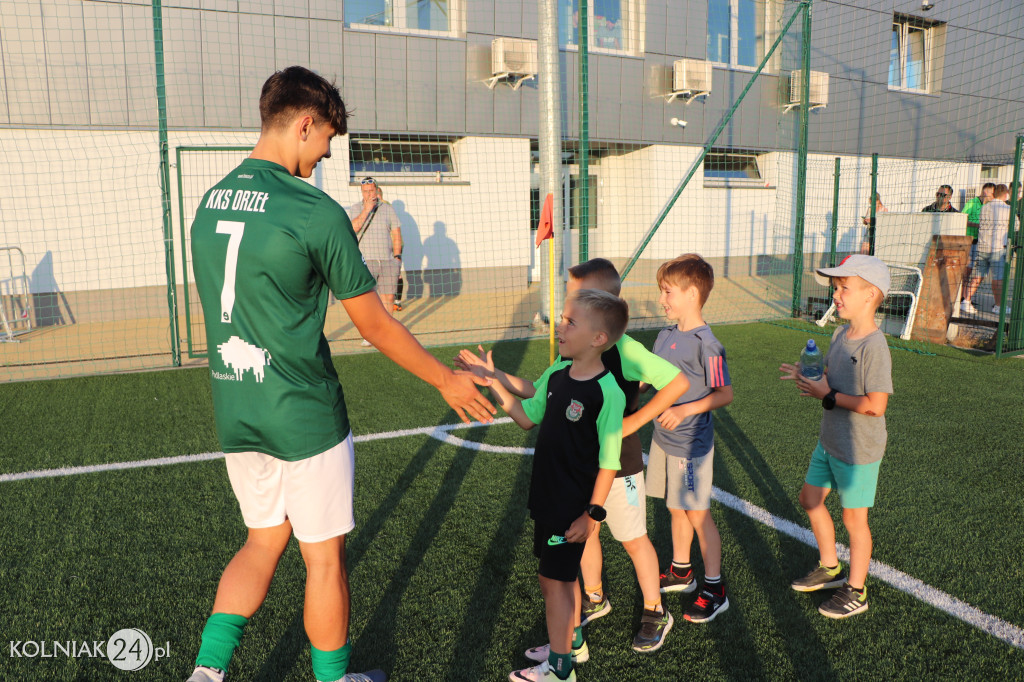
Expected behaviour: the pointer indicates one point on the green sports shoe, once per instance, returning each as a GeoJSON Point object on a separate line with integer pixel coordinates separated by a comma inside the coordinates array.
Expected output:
{"type": "Point", "coordinates": [820, 578]}
{"type": "Point", "coordinates": [654, 627]}
{"type": "Point", "coordinates": [845, 603]}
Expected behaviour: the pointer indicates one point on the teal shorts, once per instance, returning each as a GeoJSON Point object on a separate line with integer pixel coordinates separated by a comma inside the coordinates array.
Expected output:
{"type": "Point", "coordinates": [855, 483]}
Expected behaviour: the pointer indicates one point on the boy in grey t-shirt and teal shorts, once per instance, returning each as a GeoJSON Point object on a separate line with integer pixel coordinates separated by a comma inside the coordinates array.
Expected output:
{"type": "Point", "coordinates": [854, 394]}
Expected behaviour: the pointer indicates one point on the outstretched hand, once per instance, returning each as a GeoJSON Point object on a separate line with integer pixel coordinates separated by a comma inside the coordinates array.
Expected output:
{"type": "Point", "coordinates": [482, 366]}
{"type": "Point", "coordinates": [811, 388]}
{"type": "Point", "coordinates": [460, 392]}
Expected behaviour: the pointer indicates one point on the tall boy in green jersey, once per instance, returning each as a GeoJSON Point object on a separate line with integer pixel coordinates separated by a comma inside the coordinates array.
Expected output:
{"type": "Point", "coordinates": [579, 407]}
{"type": "Point", "coordinates": [854, 395]}
{"type": "Point", "coordinates": [630, 363]}
{"type": "Point", "coordinates": [266, 249]}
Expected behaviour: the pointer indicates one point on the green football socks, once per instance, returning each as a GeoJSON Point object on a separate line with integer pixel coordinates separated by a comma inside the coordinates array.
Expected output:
{"type": "Point", "coordinates": [561, 664]}
{"type": "Point", "coordinates": [221, 635]}
{"type": "Point", "coordinates": [577, 637]}
{"type": "Point", "coordinates": [330, 665]}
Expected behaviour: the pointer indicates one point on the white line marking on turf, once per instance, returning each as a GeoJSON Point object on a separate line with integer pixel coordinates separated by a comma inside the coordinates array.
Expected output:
{"type": "Point", "coordinates": [438, 432]}
{"type": "Point", "coordinates": [998, 628]}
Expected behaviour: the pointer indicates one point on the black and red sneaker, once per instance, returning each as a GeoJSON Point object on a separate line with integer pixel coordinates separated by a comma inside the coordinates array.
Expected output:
{"type": "Point", "coordinates": [673, 582]}
{"type": "Point", "coordinates": [710, 602]}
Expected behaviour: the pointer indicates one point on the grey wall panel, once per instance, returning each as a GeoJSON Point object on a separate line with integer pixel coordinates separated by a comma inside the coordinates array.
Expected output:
{"type": "Point", "coordinates": [327, 9]}
{"type": "Point", "coordinates": [480, 16]}
{"type": "Point", "coordinates": [326, 55]}
{"type": "Point", "coordinates": [479, 100]}
{"type": "Point", "coordinates": [631, 99]}
{"type": "Point", "coordinates": [291, 42]}
{"type": "Point", "coordinates": [605, 78]}
{"type": "Point", "coordinates": [451, 85]}
{"type": "Point", "coordinates": [695, 31]}
{"type": "Point", "coordinates": [291, 8]}
{"type": "Point", "coordinates": [508, 18]}
{"type": "Point", "coordinates": [183, 72]}
{"type": "Point", "coordinates": [359, 86]}
{"type": "Point", "coordinates": [422, 85]}
{"type": "Point", "coordinates": [183, 4]}
{"type": "Point", "coordinates": [107, 76]}
{"type": "Point", "coordinates": [256, 63]}
{"type": "Point", "coordinates": [656, 28]}
{"type": "Point", "coordinates": [221, 101]}
{"type": "Point", "coordinates": [140, 64]}
{"type": "Point", "coordinates": [21, 30]}
{"type": "Point", "coordinates": [657, 80]}
{"type": "Point", "coordinates": [255, 6]}
{"type": "Point", "coordinates": [569, 77]}
{"type": "Point", "coordinates": [675, 29]}
{"type": "Point", "coordinates": [218, 5]}
{"type": "Point", "coordinates": [851, 43]}
{"type": "Point", "coordinates": [507, 111]}
{"type": "Point", "coordinates": [529, 109]}
{"type": "Point", "coordinates": [391, 81]}
{"type": "Point", "coordinates": [963, 56]}
{"type": "Point", "coordinates": [65, 63]}
{"type": "Point", "coordinates": [530, 26]}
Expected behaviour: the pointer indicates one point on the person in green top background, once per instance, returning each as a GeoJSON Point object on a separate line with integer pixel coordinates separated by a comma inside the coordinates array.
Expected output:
{"type": "Point", "coordinates": [266, 249]}
{"type": "Point", "coordinates": [973, 211]}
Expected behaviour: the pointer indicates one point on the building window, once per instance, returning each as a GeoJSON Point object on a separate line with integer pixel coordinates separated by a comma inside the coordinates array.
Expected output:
{"type": "Point", "coordinates": [401, 156]}
{"type": "Point", "coordinates": [738, 31]}
{"type": "Point", "coordinates": [735, 168]}
{"type": "Point", "coordinates": [407, 16]}
{"type": "Point", "coordinates": [615, 25]}
{"type": "Point", "coordinates": [915, 54]}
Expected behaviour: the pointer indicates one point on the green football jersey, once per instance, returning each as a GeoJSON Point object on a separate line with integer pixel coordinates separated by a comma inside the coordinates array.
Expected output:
{"type": "Point", "coordinates": [266, 247]}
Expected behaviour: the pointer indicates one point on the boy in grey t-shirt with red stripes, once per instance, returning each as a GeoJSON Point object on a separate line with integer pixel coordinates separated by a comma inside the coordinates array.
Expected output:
{"type": "Point", "coordinates": [854, 394]}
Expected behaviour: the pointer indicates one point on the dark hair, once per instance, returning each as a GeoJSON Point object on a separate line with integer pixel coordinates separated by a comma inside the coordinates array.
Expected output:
{"type": "Point", "coordinates": [988, 185]}
{"type": "Point", "coordinates": [297, 91]}
{"type": "Point", "coordinates": [602, 271]}
{"type": "Point", "coordinates": [608, 312]}
{"type": "Point", "coordinates": [686, 271]}
{"type": "Point", "coordinates": [949, 187]}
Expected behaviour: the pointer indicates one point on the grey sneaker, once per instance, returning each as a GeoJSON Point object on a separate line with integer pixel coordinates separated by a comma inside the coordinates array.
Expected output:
{"type": "Point", "coordinates": [540, 654]}
{"type": "Point", "coordinates": [820, 578]}
{"type": "Point", "coordinates": [372, 676]}
{"type": "Point", "coordinates": [845, 603]}
{"type": "Point", "coordinates": [204, 673]}
{"type": "Point", "coordinates": [592, 610]}
{"type": "Point", "coordinates": [654, 627]}
{"type": "Point", "coordinates": [673, 582]}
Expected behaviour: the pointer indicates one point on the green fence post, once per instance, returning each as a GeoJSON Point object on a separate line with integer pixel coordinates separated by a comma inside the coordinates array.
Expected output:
{"type": "Point", "coordinates": [165, 181]}
{"type": "Point", "coordinates": [874, 203]}
{"type": "Point", "coordinates": [583, 202]}
{"type": "Point", "coordinates": [1016, 332]}
{"type": "Point", "coordinates": [801, 178]}
{"type": "Point", "coordinates": [835, 218]}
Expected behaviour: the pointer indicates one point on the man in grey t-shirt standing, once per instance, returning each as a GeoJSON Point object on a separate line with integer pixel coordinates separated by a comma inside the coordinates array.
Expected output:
{"type": "Point", "coordinates": [380, 240]}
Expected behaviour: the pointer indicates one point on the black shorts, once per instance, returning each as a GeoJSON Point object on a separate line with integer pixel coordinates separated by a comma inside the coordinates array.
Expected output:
{"type": "Point", "coordinates": [559, 560]}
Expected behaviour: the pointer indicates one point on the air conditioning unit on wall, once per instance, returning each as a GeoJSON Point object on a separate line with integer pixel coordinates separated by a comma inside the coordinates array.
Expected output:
{"type": "Point", "coordinates": [818, 95]}
{"type": "Point", "coordinates": [513, 60]}
{"type": "Point", "coordinates": [691, 78]}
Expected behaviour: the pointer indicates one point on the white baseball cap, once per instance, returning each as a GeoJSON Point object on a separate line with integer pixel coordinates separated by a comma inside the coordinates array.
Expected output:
{"type": "Point", "coordinates": [870, 269]}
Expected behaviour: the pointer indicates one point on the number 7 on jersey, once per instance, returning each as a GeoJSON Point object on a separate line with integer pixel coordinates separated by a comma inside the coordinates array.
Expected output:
{"type": "Point", "coordinates": [227, 294]}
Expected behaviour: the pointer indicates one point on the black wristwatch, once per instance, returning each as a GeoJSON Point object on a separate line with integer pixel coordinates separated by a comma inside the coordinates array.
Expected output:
{"type": "Point", "coordinates": [597, 512]}
{"type": "Point", "coordinates": [829, 401]}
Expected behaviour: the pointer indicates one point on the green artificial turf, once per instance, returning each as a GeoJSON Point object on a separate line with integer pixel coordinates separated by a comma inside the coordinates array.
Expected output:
{"type": "Point", "coordinates": [443, 579]}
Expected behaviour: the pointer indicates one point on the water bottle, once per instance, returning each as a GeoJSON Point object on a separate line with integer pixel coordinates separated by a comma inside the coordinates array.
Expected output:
{"type": "Point", "coordinates": [811, 365]}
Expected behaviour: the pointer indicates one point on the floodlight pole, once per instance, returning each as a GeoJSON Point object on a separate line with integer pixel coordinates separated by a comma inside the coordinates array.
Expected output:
{"type": "Point", "coordinates": [549, 143]}
{"type": "Point", "coordinates": [583, 197]}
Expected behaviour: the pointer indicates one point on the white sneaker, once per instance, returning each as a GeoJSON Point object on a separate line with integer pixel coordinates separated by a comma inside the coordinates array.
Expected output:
{"type": "Point", "coordinates": [539, 673]}
{"type": "Point", "coordinates": [371, 676]}
{"type": "Point", "coordinates": [204, 674]}
{"type": "Point", "coordinates": [968, 307]}
{"type": "Point", "coordinates": [364, 342]}
{"type": "Point", "coordinates": [541, 653]}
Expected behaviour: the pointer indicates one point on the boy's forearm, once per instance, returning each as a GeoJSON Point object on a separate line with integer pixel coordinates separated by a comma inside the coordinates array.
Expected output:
{"type": "Point", "coordinates": [661, 401]}
{"type": "Point", "coordinates": [719, 397]}
{"type": "Point", "coordinates": [511, 405]}
{"type": "Point", "coordinates": [516, 386]}
{"type": "Point", "coordinates": [871, 405]}
{"type": "Point", "coordinates": [603, 484]}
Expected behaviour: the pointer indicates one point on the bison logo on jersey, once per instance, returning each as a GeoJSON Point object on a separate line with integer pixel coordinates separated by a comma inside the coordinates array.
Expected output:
{"type": "Point", "coordinates": [574, 411]}
{"type": "Point", "coordinates": [240, 356]}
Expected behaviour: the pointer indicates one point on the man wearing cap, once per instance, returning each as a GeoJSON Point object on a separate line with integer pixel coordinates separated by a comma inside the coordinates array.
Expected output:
{"type": "Point", "coordinates": [380, 240]}
{"type": "Point", "coordinates": [854, 395]}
